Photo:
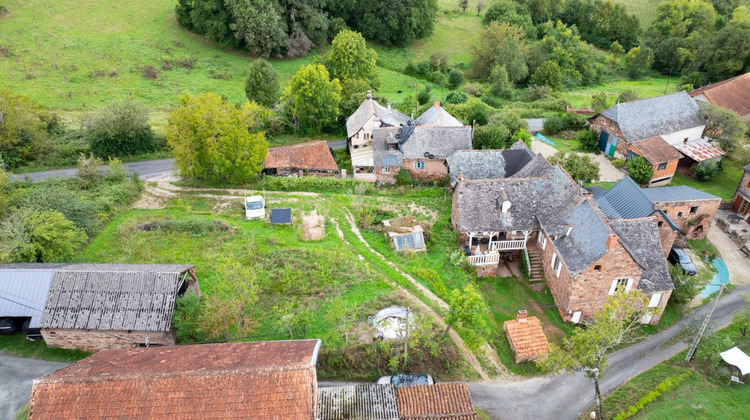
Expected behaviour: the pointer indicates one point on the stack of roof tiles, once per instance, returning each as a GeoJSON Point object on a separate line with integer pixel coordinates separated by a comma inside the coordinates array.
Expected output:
{"type": "Point", "coordinates": [259, 380]}
{"type": "Point", "coordinates": [313, 156]}
{"type": "Point", "coordinates": [527, 338]}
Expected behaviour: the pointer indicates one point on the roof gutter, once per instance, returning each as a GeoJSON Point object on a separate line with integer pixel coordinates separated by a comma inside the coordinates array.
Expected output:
{"type": "Point", "coordinates": [314, 359]}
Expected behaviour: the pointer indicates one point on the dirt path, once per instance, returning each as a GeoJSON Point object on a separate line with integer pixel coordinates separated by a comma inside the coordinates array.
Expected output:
{"type": "Point", "coordinates": [470, 356]}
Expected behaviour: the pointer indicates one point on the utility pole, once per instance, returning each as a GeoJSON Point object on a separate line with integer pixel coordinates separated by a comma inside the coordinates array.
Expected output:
{"type": "Point", "coordinates": [694, 346]}
{"type": "Point", "coordinates": [406, 340]}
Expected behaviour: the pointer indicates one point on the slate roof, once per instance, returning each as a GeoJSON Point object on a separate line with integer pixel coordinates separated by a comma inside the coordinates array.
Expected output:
{"type": "Point", "coordinates": [515, 160]}
{"type": "Point", "coordinates": [746, 168]}
{"type": "Point", "coordinates": [259, 380]}
{"type": "Point", "coordinates": [656, 150]}
{"type": "Point", "coordinates": [587, 240]}
{"type": "Point", "coordinates": [677, 193]}
{"type": "Point", "coordinates": [23, 290]}
{"type": "Point", "coordinates": [438, 116]}
{"type": "Point", "coordinates": [313, 155]}
{"type": "Point", "coordinates": [113, 296]}
{"type": "Point", "coordinates": [441, 401]}
{"type": "Point", "coordinates": [439, 142]}
{"type": "Point", "coordinates": [476, 164]}
{"type": "Point", "coordinates": [368, 108]}
{"type": "Point", "coordinates": [640, 237]}
{"type": "Point", "coordinates": [656, 116]}
{"type": "Point", "coordinates": [363, 402]}
{"type": "Point", "coordinates": [526, 338]}
{"type": "Point", "coordinates": [699, 150]}
{"type": "Point", "coordinates": [731, 93]}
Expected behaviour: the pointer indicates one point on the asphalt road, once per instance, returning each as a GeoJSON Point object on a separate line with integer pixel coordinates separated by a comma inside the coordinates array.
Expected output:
{"type": "Point", "coordinates": [146, 169]}
{"type": "Point", "coordinates": [565, 396]}
{"type": "Point", "coordinates": [16, 375]}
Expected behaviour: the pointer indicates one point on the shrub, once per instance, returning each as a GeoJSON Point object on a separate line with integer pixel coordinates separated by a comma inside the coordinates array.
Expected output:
{"type": "Point", "coordinates": [627, 96]}
{"type": "Point", "coordinates": [686, 287]}
{"type": "Point", "coordinates": [194, 228]}
{"type": "Point", "coordinates": [423, 96]}
{"type": "Point", "coordinates": [455, 78]}
{"type": "Point", "coordinates": [589, 140]}
{"type": "Point", "coordinates": [121, 129]}
{"type": "Point", "coordinates": [186, 318]}
{"type": "Point", "coordinates": [149, 72]}
{"type": "Point", "coordinates": [661, 389]}
{"type": "Point", "coordinates": [117, 171]}
{"type": "Point", "coordinates": [640, 170]}
{"type": "Point", "coordinates": [619, 163]}
{"type": "Point", "coordinates": [560, 122]}
{"type": "Point", "coordinates": [548, 74]}
{"type": "Point", "coordinates": [313, 184]}
{"type": "Point", "coordinates": [89, 171]}
{"type": "Point", "coordinates": [403, 177]}
{"type": "Point", "coordinates": [599, 101]}
{"type": "Point", "coordinates": [554, 124]}
{"type": "Point", "coordinates": [494, 136]}
{"type": "Point", "coordinates": [616, 48]}
{"type": "Point", "coordinates": [39, 236]}
{"type": "Point", "coordinates": [473, 110]}
{"type": "Point", "coordinates": [536, 92]}
{"type": "Point", "coordinates": [456, 97]}
{"type": "Point", "coordinates": [706, 171]}
{"type": "Point", "coordinates": [581, 168]}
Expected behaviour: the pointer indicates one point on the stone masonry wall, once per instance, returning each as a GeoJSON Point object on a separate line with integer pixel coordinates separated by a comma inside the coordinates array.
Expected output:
{"type": "Point", "coordinates": [600, 122]}
{"type": "Point", "coordinates": [94, 340]}
{"type": "Point", "coordinates": [695, 225]}
{"type": "Point", "coordinates": [743, 186]}
{"type": "Point", "coordinates": [434, 169]}
{"type": "Point", "coordinates": [667, 235]}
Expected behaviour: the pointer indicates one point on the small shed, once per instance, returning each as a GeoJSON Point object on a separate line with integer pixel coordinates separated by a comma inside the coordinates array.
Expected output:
{"type": "Point", "coordinates": [405, 234]}
{"type": "Point", "coordinates": [526, 337]}
{"type": "Point", "coordinates": [391, 322]}
{"type": "Point", "coordinates": [311, 158]}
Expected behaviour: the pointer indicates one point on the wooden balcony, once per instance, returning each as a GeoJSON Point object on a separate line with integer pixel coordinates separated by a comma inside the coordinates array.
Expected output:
{"type": "Point", "coordinates": [492, 258]}
{"type": "Point", "coordinates": [507, 245]}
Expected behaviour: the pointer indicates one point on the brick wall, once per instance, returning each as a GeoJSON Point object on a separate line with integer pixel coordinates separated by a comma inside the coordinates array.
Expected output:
{"type": "Point", "coordinates": [386, 177]}
{"type": "Point", "coordinates": [434, 169]}
{"type": "Point", "coordinates": [695, 225]}
{"type": "Point", "coordinates": [94, 340]}
{"type": "Point", "coordinates": [588, 291]}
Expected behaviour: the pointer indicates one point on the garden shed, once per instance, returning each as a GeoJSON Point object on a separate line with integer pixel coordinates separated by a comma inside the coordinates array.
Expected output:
{"type": "Point", "coordinates": [391, 322]}
{"type": "Point", "coordinates": [405, 234]}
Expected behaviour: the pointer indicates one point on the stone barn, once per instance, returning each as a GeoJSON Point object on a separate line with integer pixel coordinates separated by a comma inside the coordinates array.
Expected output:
{"type": "Point", "coordinates": [113, 306]}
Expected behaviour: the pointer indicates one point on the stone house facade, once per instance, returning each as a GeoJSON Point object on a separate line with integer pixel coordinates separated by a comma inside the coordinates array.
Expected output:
{"type": "Point", "coordinates": [694, 217]}
{"type": "Point", "coordinates": [740, 203]}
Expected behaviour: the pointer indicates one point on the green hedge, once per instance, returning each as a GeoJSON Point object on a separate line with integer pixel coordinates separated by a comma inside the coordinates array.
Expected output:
{"type": "Point", "coordinates": [313, 184]}
{"type": "Point", "coordinates": [662, 388]}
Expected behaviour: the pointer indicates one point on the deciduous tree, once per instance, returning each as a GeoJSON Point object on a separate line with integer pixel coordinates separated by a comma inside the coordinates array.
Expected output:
{"type": "Point", "coordinates": [468, 309]}
{"type": "Point", "coordinates": [499, 44]}
{"type": "Point", "coordinates": [38, 236]}
{"type": "Point", "coordinates": [724, 126]}
{"type": "Point", "coordinates": [121, 129]}
{"type": "Point", "coordinates": [262, 84]}
{"type": "Point", "coordinates": [638, 61]}
{"type": "Point", "coordinates": [582, 168]}
{"type": "Point", "coordinates": [350, 58]}
{"type": "Point", "coordinates": [312, 99]}
{"type": "Point", "coordinates": [640, 169]}
{"type": "Point", "coordinates": [210, 140]}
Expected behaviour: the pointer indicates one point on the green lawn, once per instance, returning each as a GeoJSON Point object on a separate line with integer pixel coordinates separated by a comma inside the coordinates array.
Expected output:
{"type": "Point", "coordinates": [645, 10]}
{"type": "Point", "coordinates": [723, 185]}
{"type": "Point", "coordinates": [18, 345]}
{"type": "Point", "coordinates": [646, 88]}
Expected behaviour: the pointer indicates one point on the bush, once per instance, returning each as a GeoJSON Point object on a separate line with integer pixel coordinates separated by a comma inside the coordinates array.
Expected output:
{"type": "Point", "coordinates": [313, 184]}
{"type": "Point", "coordinates": [403, 177]}
{"type": "Point", "coordinates": [706, 171]}
{"type": "Point", "coordinates": [560, 122]}
{"type": "Point", "coordinates": [471, 111]}
{"type": "Point", "coordinates": [554, 124]}
{"type": "Point", "coordinates": [455, 78]}
{"type": "Point", "coordinates": [589, 140]}
{"type": "Point", "coordinates": [89, 171]}
{"type": "Point", "coordinates": [599, 101]}
{"type": "Point", "coordinates": [581, 168]}
{"type": "Point", "coordinates": [39, 236]}
{"type": "Point", "coordinates": [640, 170]}
{"type": "Point", "coordinates": [619, 163]}
{"type": "Point", "coordinates": [494, 136]}
{"type": "Point", "coordinates": [616, 48]}
{"type": "Point", "coordinates": [117, 171]}
{"type": "Point", "coordinates": [548, 74]}
{"type": "Point", "coordinates": [194, 228]}
{"type": "Point", "coordinates": [661, 389]}
{"type": "Point", "coordinates": [186, 318]}
{"type": "Point", "coordinates": [536, 92]}
{"type": "Point", "coordinates": [121, 129]}
{"type": "Point", "coordinates": [456, 97]}
{"type": "Point", "coordinates": [423, 96]}
{"type": "Point", "coordinates": [685, 287]}
{"type": "Point", "coordinates": [262, 83]}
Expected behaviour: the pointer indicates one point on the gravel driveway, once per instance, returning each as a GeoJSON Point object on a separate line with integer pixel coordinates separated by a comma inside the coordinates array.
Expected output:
{"type": "Point", "coordinates": [16, 376]}
{"type": "Point", "coordinates": [607, 171]}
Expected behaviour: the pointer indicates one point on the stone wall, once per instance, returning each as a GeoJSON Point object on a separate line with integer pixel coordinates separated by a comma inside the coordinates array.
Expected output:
{"type": "Point", "coordinates": [662, 306]}
{"type": "Point", "coordinates": [387, 177]}
{"type": "Point", "coordinates": [93, 340]}
{"type": "Point", "coordinates": [600, 122]}
{"type": "Point", "coordinates": [667, 235]}
{"type": "Point", "coordinates": [743, 186]}
{"type": "Point", "coordinates": [434, 169]}
{"type": "Point", "coordinates": [695, 224]}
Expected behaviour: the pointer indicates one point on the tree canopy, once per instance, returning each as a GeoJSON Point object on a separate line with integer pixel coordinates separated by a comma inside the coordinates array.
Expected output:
{"type": "Point", "coordinates": [350, 58]}
{"type": "Point", "coordinates": [312, 99]}
{"type": "Point", "coordinates": [262, 84]}
{"type": "Point", "coordinates": [122, 128]}
{"type": "Point", "coordinates": [210, 140]}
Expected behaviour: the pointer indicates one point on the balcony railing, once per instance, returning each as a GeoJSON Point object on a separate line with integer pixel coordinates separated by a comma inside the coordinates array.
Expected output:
{"type": "Point", "coordinates": [506, 245]}
{"type": "Point", "coordinates": [485, 259]}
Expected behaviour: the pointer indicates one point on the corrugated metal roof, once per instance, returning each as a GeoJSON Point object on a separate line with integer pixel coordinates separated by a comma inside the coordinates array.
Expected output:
{"type": "Point", "coordinates": [676, 193]}
{"type": "Point", "coordinates": [625, 200]}
{"type": "Point", "coordinates": [699, 150]}
{"type": "Point", "coordinates": [23, 292]}
{"type": "Point", "coordinates": [362, 402]}
{"type": "Point", "coordinates": [445, 401]}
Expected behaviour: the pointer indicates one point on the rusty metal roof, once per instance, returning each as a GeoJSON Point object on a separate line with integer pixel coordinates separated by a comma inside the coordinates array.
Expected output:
{"type": "Point", "coordinates": [313, 155]}
{"type": "Point", "coordinates": [699, 150]}
{"type": "Point", "coordinates": [259, 380]}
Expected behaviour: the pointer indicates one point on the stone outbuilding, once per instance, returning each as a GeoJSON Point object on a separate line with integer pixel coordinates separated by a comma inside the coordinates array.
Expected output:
{"type": "Point", "coordinates": [488, 164]}
{"type": "Point", "coordinates": [526, 337]}
{"type": "Point", "coordinates": [741, 201]}
{"type": "Point", "coordinates": [732, 94]}
{"type": "Point", "coordinates": [661, 155]}
{"type": "Point", "coordinates": [310, 158]}
{"type": "Point", "coordinates": [113, 306]}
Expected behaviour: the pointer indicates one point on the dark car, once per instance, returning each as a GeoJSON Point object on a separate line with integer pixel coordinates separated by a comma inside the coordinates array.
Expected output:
{"type": "Point", "coordinates": [406, 379]}
{"type": "Point", "coordinates": [679, 256]}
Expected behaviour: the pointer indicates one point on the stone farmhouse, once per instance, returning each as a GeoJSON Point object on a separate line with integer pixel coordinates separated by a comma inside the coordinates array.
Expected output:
{"type": "Point", "coordinates": [682, 212]}
{"type": "Point", "coordinates": [585, 256]}
{"type": "Point", "coordinates": [741, 200]}
{"type": "Point", "coordinates": [732, 94]}
{"type": "Point", "coordinates": [488, 164]}
{"type": "Point", "coordinates": [310, 158]}
{"type": "Point", "coordinates": [382, 141]}
{"type": "Point", "coordinates": [652, 128]}
{"type": "Point", "coordinates": [112, 306]}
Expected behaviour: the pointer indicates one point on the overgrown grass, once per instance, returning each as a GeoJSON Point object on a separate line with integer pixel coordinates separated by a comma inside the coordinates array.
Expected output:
{"type": "Point", "coordinates": [646, 87]}
{"type": "Point", "coordinates": [18, 345]}
{"type": "Point", "coordinates": [722, 185]}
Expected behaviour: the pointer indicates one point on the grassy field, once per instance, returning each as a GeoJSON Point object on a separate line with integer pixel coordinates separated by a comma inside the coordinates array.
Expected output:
{"type": "Point", "coordinates": [705, 394]}
{"type": "Point", "coordinates": [722, 185]}
{"type": "Point", "coordinates": [647, 87]}
{"type": "Point", "coordinates": [18, 345]}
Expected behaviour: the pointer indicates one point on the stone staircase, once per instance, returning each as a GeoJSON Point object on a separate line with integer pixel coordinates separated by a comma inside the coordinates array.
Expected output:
{"type": "Point", "coordinates": [536, 273]}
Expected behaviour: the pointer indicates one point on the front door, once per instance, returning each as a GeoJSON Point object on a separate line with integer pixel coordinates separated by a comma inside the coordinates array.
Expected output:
{"type": "Point", "coordinates": [603, 140]}
{"type": "Point", "coordinates": [612, 146]}
{"type": "Point", "coordinates": [744, 210]}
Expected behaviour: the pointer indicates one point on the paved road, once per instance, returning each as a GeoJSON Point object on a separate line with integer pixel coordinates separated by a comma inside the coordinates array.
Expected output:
{"type": "Point", "coordinates": [565, 396]}
{"type": "Point", "coordinates": [535, 124]}
{"type": "Point", "coordinates": [146, 169]}
{"type": "Point", "coordinates": [16, 375]}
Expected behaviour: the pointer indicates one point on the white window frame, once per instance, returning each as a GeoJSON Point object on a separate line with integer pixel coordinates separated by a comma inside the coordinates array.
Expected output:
{"type": "Point", "coordinates": [386, 169]}
{"type": "Point", "coordinates": [616, 283]}
{"type": "Point", "coordinates": [559, 268]}
{"type": "Point", "coordinates": [544, 243]}
{"type": "Point", "coordinates": [554, 258]}
{"type": "Point", "coordinates": [655, 300]}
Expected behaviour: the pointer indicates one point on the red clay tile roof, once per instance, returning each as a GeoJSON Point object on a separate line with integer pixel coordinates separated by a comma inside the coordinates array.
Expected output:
{"type": "Point", "coordinates": [699, 150]}
{"type": "Point", "coordinates": [656, 150]}
{"type": "Point", "coordinates": [446, 401]}
{"type": "Point", "coordinates": [313, 155]}
{"type": "Point", "coordinates": [260, 380]}
{"type": "Point", "coordinates": [732, 93]}
{"type": "Point", "coordinates": [526, 338]}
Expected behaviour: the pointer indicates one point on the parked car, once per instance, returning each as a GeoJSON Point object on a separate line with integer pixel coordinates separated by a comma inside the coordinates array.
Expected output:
{"type": "Point", "coordinates": [406, 379]}
{"type": "Point", "coordinates": [255, 207]}
{"type": "Point", "coordinates": [679, 256]}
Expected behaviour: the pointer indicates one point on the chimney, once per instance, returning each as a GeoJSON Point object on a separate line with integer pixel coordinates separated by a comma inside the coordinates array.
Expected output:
{"type": "Point", "coordinates": [369, 94]}
{"type": "Point", "coordinates": [505, 206]}
{"type": "Point", "coordinates": [436, 104]}
{"type": "Point", "coordinates": [521, 315]}
{"type": "Point", "coordinates": [460, 176]}
{"type": "Point", "coordinates": [612, 241]}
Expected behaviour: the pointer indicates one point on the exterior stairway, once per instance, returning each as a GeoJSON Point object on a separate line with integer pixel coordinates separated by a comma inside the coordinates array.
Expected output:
{"type": "Point", "coordinates": [536, 272]}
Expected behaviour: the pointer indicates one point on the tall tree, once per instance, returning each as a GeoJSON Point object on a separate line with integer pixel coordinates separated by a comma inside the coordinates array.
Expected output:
{"type": "Point", "coordinates": [725, 126]}
{"type": "Point", "coordinates": [262, 84]}
{"type": "Point", "coordinates": [393, 22]}
{"type": "Point", "coordinates": [259, 26]}
{"type": "Point", "coordinates": [499, 44]}
{"type": "Point", "coordinates": [39, 236]}
{"type": "Point", "coordinates": [312, 99]}
{"type": "Point", "coordinates": [23, 128]}
{"type": "Point", "coordinates": [350, 58]}
{"type": "Point", "coordinates": [210, 140]}
{"type": "Point", "coordinates": [587, 348]}
{"type": "Point", "coordinates": [638, 61]}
